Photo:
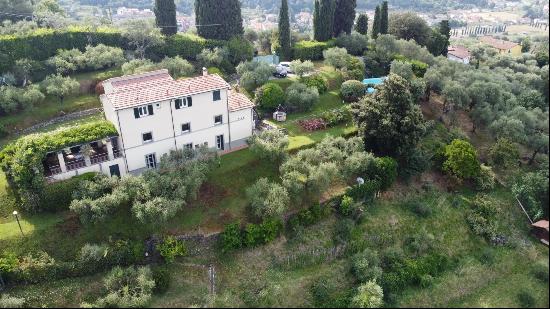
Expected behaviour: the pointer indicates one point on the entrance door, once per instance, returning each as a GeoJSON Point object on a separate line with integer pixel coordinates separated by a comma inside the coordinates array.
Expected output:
{"type": "Point", "coordinates": [115, 170]}
{"type": "Point", "coordinates": [220, 143]}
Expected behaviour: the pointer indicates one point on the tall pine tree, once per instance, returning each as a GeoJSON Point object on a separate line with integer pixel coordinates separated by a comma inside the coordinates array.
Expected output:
{"type": "Point", "coordinates": [362, 25]}
{"type": "Point", "coordinates": [344, 16]}
{"type": "Point", "coordinates": [376, 23]}
{"type": "Point", "coordinates": [325, 20]}
{"type": "Point", "coordinates": [284, 31]}
{"type": "Point", "coordinates": [220, 20]}
{"type": "Point", "coordinates": [165, 16]}
{"type": "Point", "coordinates": [384, 18]}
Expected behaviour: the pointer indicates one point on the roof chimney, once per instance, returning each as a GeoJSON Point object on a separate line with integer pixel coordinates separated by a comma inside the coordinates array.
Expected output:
{"type": "Point", "coordinates": [204, 71]}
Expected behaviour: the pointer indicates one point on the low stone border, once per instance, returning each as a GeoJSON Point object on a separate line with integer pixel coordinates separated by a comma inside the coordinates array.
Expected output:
{"type": "Point", "coordinates": [60, 119]}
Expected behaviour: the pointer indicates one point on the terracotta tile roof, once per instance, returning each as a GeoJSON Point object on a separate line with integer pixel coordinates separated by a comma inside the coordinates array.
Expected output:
{"type": "Point", "coordinates": [498, 44]}
{"type": "Point", "coordinates": [239, 101]}
{"type": "Point", "coordinates": [459, 52]}
{"type": "Point", "coordinates": [543, 224]}
{"type": "Point", "coordinates": [147, 88]}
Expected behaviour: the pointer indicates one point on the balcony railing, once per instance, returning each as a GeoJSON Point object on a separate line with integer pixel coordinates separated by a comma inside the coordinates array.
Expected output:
{"type": "Point", "coordinates": [52, 170]}
{"type": "Point", "coordinates": [99, 158]}
{"type": "Point", "coordinates": [75, 165]}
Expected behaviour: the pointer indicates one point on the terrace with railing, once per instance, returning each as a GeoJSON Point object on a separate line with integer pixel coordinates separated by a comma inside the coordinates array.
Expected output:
{"type": "Point", "coordinates": [81, 156]}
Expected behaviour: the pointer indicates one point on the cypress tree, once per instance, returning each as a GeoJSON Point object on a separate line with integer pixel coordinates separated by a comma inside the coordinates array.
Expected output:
{"type": "Point", "coordinates": [316, 17]}
{"type": "Point", "coordinates": [376, 23]}
{"type": "Point", "coordinates": [325, 20]}
{"type": "Point", "coordinates": [165, 16]}
{"type": "Point", "coordinates": [362, 25]}
{"type": "Point", "coordinates": [284, 31]}
{"type": "Point", "coordinates": [445, 30]}
{"type": "Point", "coordinates": [384, 18]}
{"type": "Point", "coordinates": [220, 20]}
{"type": "Point", "coordinates": [344, 16]}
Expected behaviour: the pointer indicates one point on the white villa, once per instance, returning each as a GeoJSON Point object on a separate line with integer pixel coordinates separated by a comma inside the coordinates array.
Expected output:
{"type": "Point", "coordinates": [154, 114]}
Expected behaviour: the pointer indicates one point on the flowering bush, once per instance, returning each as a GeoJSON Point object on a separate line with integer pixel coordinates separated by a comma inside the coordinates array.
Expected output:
{"type": "Point", "coordinates": [313, 124]}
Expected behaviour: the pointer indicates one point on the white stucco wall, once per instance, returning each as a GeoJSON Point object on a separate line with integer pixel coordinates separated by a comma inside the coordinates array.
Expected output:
{"type": "Point", "coordinates": [241, 124]}
{"type": "Point", "coordinates": [453, 58]}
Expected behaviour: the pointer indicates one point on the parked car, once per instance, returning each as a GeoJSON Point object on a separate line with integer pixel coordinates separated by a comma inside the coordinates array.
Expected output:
{"type": "Point", "coordinates": [280, 72]}
{"type": "Point", "coordinates": [286, 65]}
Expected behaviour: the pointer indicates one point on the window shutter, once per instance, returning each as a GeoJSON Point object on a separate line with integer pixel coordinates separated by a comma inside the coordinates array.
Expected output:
{"type": "Point", "coordinates": [136, 113]}
{"type": "Point", "coordinates": [189, 101]}
{"type": "Point", "coordinates": [177, 103]}
{"type": "Point", "coordinates": [150, 107]}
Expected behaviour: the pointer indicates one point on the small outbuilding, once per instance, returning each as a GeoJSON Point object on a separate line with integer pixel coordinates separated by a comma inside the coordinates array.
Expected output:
{"type": "Point", "coordinates": [540, 230]}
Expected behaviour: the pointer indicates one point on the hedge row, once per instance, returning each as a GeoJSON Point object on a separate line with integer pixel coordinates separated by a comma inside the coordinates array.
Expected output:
{"type": "Point", "coordinates": [58, 195]}
{"type": "Point", "coordinates": [40, 267]}
{"type": "Point", "coordinates": [44, 43]}
{"type": "Point", "coordinates": [311, 50]}
{"type": "Point", "coordinates": [185, 45]}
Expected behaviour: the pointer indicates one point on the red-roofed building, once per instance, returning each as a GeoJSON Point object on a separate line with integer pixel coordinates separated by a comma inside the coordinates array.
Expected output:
{"type": "Point", "coordinates": [154, 114]}
{"type": "Point", "coordinates": [503, 47]}
{"type": "Point", "coordinates": [459, 54]}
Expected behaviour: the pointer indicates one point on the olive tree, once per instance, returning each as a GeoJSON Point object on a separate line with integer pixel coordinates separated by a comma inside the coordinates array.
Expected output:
{"type": "Point", "coordinates": [267, 199]}
{"type": "Point", "coordinates": [269, 145]}
{"type": "Point", "coordinates": [300, 97]}
{"type": "Point", "coordinates": [60, 86]}
{"type": "Point", "coordinates": [302, 68]}
{"type": "Point", "coordinates": [336, 57]}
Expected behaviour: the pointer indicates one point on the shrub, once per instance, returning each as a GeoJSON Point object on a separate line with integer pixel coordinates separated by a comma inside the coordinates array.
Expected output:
{"type": "Point", "coordinates": [300, 97]}
{"type": "Point", "coordinates": [346, 205]}
{"type": "Point", "coordinates": [482, 217]}
{"type": "Point", "coordinates": [307, 217]}
{"type": "Point", "coordinates": [302, 68]}
{"type": "Point", "coordinates": [461, 160]}
{"type": "Point", "coordinates": [366, 266]}
{"type": "Point", "coordinates": [170, 248]}
{"type": "Point", "coordinates": [369, 295]}
{"type": "Point", "coordinates": [128, 287]}
{"type": "Point", "coordinates": [355, 43]}
{"type": "Point", "coordinates": [231, 238]}
{"type": "Point", "coordinates": [384, 171]}
{"type": "Point", "coordinates": [336, 116]}
{"type": "Point", "coordinates": [58, 195]}
{"type": "Point", "coordinates": [310, 50]}
{"type": "Point", "coordinates": [269, 97]}
{"type": "Point", "coordinates": [267, 199]}
{"type": "Point", "coordinates": [315, 124]}
{"type": "Point", "coordinates": [7, 301]}
{"type": "Point", "coordinates": [403, 69]}
{"type": "Point", "coordinates": [421, 209]}
{"type": "Point", "coordinates": [344, 229]}
{"type": "Point", "coordinates": [92, 254]}
{"type": "Point", "coordinates": [353, 90]}
{"type": "Point", "coordinates": [526, 299]}
{"type": "Point", "coordinates": [486, 179]}
{"type": "Point", "coordinates": [315, 81]}
{"type": "Point", "coordinates": [136, 66]}
{"type": "Point", "coordinates": [364, 192]}
{"type": "Point", "coordinates": [161, 275]}
{"type": "Point", "coordinates": [504, 153]}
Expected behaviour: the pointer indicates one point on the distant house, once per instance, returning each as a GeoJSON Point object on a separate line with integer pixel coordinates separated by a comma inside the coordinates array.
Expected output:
{"type": "Point", "coordinates": [503, 47]}
{"type": "Point", "coordinates": [459, 54]}
{"type": "Point", "coordinates": [540, 230]}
